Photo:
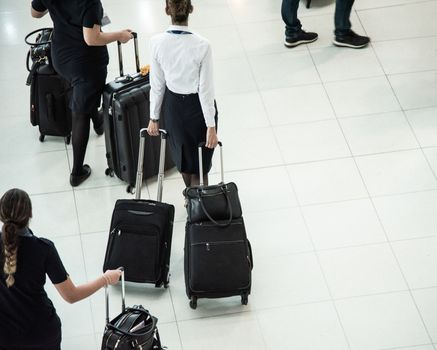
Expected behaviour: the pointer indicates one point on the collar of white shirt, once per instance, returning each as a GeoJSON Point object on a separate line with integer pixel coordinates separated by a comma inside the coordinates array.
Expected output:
{"type": "Point", "coordinates": [179, 28]}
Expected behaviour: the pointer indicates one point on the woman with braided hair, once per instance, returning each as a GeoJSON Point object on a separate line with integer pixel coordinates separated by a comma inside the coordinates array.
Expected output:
{"type": "Point", "coordinates": [28, 319]}
{"type": "Point", "coordinates": [181, 79]}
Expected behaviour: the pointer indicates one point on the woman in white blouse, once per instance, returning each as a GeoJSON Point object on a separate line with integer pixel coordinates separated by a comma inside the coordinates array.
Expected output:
{"type": "Point", "coordinates": [181, 79]}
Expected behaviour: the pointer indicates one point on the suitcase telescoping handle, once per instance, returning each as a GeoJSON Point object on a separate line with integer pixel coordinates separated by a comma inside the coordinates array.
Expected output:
{"type": "Point", "coordinates": [120, 55]}
{"type": "Point", "coordinates": [201, 145]}
{"type": "Point", "coordinates": [123, 295]}
{"type": "Point", "coordinates": [143, 134]}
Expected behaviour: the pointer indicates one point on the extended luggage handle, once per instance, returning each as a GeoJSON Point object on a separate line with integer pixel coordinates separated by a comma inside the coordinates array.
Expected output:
{"type": "Point", "coordinates": [139, 181]}
{"type": "Point", "coordinates": [123, 295]}
{"type": "Point", "coordinates": [120, 55]}
{"type": "Point", "coordinates": [201, 184]}
{"type": "Point", "coordinates": [200, 146]}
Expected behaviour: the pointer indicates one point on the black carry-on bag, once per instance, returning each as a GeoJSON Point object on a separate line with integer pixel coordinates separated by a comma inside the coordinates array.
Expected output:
{"type": "Point", "coordinates": [141, 230]}
{"type": "Point", "coordinates": [218, 257]}
{"type": "Point", "coordinates": [126, 111]}
{"type": "Point", "coordinates": [49, 92]}
{"type": "Point", "coordinates": [134, 329]}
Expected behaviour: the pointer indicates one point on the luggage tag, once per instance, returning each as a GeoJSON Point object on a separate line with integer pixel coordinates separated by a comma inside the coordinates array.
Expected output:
{"type": "Point", "coordinates": [105, 19]}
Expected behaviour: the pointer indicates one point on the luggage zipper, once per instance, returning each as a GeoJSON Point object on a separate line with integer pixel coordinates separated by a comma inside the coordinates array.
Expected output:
{"type": "Point", "coordinates": [115, 230]}
{"type": "Point", "coordinates": [209, 244]}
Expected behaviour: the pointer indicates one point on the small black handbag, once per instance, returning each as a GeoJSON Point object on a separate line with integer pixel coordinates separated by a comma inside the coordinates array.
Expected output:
{"type": "Point", "coordinates": [215, 202]}
{"type": "Point", "coordinates": [134, 329]}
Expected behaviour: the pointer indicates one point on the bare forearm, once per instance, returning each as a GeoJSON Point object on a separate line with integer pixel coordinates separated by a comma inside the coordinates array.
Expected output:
{"type": "Point", "coordinates": [72, 293]}
{"type": "Point", "coordinates": [102, 39]}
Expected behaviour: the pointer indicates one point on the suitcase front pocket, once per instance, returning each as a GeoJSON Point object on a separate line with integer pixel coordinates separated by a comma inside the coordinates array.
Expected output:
{"type": "Point", "coordinates": [222, 266]}
{"type": "Point", "coordinates": [137, 250]}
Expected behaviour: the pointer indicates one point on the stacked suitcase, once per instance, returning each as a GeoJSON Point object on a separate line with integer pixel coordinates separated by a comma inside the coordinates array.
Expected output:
{"type": "Point", "coordinates": [49, 92]}
{"type": "Point", "coordinates": [218, 257]}
{"type": "Point", "coordinates": [126, 111]}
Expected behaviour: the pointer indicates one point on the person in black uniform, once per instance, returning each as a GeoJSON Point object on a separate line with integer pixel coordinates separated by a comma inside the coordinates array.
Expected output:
{"type": "Point", "coordinates": [181, 79]}
{"type": "Point", "coordinates": [28, 319]}
{"type": "Point", "coordinates": [79, 54]}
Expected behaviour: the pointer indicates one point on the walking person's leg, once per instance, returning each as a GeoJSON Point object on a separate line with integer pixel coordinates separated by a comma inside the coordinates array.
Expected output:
{"type": "Point", "coordinates": [344, 35]}
{"type": "Point", "coordinates": [294, 35]}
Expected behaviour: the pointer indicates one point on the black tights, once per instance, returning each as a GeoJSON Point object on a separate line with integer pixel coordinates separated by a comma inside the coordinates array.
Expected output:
{"type": "Point", "coordinates": [79, 137]}
{"type": "Point", "coordinates": [193, 179]}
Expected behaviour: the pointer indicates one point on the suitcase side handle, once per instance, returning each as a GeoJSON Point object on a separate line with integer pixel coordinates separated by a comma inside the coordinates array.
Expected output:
{"type": "Point", "coordinates": [139, 181]}
{"type": "Point", "coordinates": [123, 295]}
{"type": "Point", "coordinates": [200, 146]}
{"type": "Point", "coordinates": [120, 55]}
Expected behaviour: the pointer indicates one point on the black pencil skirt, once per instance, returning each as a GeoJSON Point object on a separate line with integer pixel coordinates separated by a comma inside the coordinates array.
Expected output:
{"type": "Point", "coordinates": [86, 86]}
{"type": "Point", "coordinates": [185, 124]}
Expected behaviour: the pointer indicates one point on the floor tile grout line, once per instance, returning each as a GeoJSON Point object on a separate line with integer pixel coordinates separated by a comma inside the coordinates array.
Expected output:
{"type": "Point", "coordinates": [379, 218]}
{"type": "Point", "coordinates": [403, 110]}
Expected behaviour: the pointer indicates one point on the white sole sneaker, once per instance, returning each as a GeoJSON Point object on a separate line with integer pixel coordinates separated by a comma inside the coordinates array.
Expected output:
{"type": "Point", "coordinates": [300, 42]}
{"type": "Point", "coordinates": [340, 44]}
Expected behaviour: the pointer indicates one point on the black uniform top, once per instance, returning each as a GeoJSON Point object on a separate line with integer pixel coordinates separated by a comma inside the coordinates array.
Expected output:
{"type": "Point", "coordinates": [26, 313]}
{"type": "Point", "coordinates": [69, 49]}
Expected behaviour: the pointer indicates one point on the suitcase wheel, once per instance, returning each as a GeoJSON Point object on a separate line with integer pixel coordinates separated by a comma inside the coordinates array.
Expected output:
{"type": "Point", "coordinates": [41, 138]}
{"type": "Point", "coordinates": [67, 139]}
{"type": "Point", "coordinates": [109, 172]}
{"type": "Point", "coordinates": [130, 189]}
{"type": "Point", "coordinates": [193, 302]}
{"type": "Point", "coordinates": [244, 299]}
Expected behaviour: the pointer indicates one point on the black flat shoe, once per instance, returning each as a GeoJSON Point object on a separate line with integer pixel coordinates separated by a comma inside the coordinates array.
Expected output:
{"type": "Point", "coordinates": [76, 180]}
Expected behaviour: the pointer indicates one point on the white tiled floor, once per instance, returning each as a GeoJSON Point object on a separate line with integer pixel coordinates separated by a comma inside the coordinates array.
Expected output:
{"type": "Point", "coordinates": [335, 155]}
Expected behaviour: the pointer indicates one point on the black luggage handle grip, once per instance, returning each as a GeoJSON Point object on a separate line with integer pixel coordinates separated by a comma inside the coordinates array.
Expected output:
{"type": "Point", "coordinates": [120, 55]}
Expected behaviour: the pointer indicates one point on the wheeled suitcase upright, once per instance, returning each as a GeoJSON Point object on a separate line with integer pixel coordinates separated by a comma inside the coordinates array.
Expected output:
{"type": "Point", "coordinates": [134, 329]}
{"type": "Point", "coordinates": [141, 230]}
{"type": "Point", "coordinates": [49, 92]}
{"type": "Point", "coordinates": [218, 258]}
{"type": "Point", "coordinates": [126, 111]}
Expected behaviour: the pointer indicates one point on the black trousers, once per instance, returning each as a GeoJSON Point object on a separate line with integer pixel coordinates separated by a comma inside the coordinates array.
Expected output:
{"type": "Point", "coordinates": [342, 22]}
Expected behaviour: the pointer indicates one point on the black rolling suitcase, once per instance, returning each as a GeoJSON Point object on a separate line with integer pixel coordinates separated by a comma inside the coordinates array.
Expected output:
{"type": "Point", "coordinates": [134, 329]}
{"type": "Point", "coordinates": [141, 230]}
{"type": "Point", "coordinates": [49, 92]}
{"type": "Point", "coordinates": [126, 111]}
{"type": "Point", "coordinates": [218, 257]}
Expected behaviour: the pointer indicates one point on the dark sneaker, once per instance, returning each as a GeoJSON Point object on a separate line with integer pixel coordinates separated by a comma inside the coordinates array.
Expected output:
{"type": "Point", "coordinates": [76, 180]}
{"type": "Point", "coordinates": [301, 37]}
{"type": "Point", "coordinates": [98, 123]}
{"type": "Point", "coordinates": [351, 39]}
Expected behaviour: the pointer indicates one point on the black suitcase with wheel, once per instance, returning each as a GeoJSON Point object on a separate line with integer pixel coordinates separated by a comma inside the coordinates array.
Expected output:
{"type": "Point", "coordinates": [217, 255]}
{"type": "Point", "coordinates": [141, 230]}
{"type": "Point", "coordinates": [49, 92]}
{"type": "Point", "coordinates": [126, 111]}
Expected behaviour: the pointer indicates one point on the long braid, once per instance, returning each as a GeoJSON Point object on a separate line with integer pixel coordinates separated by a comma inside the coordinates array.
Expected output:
{"type": "Point", "coordinates": [179, 10]}
{"type": "Point", "coordinates": [15, 213]}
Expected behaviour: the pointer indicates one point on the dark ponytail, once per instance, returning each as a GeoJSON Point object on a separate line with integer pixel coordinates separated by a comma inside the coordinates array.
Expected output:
{"type": "Point", "coordinates": [15, 213]}
{"type": "Point", "coordinates": [179, 10]}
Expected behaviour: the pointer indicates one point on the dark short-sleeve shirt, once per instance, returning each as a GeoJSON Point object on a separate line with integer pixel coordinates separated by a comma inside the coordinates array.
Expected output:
{"type": "Point", "coordinates": [69, 49]}
{"type": "Point", "coordinates": [27, 314]}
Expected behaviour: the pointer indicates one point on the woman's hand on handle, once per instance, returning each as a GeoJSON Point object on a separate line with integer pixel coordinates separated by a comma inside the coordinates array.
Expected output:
{"type": "Point", "coordinates": [211, 137]}
{"type": "Point", "coordinates": [112, 276]}
{"type": "Point", "coordinates": [153, 128]}
{"type": "Point", "coordinates": [125, 35]}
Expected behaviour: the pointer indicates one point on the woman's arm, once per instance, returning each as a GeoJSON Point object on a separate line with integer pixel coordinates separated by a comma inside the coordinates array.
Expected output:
{"type": "Point", "coordinates": [72, 293]}
{"type": "Point", "coordinates": [37, 14]}
{"type": "Point", "coordinates": [95, 37]}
